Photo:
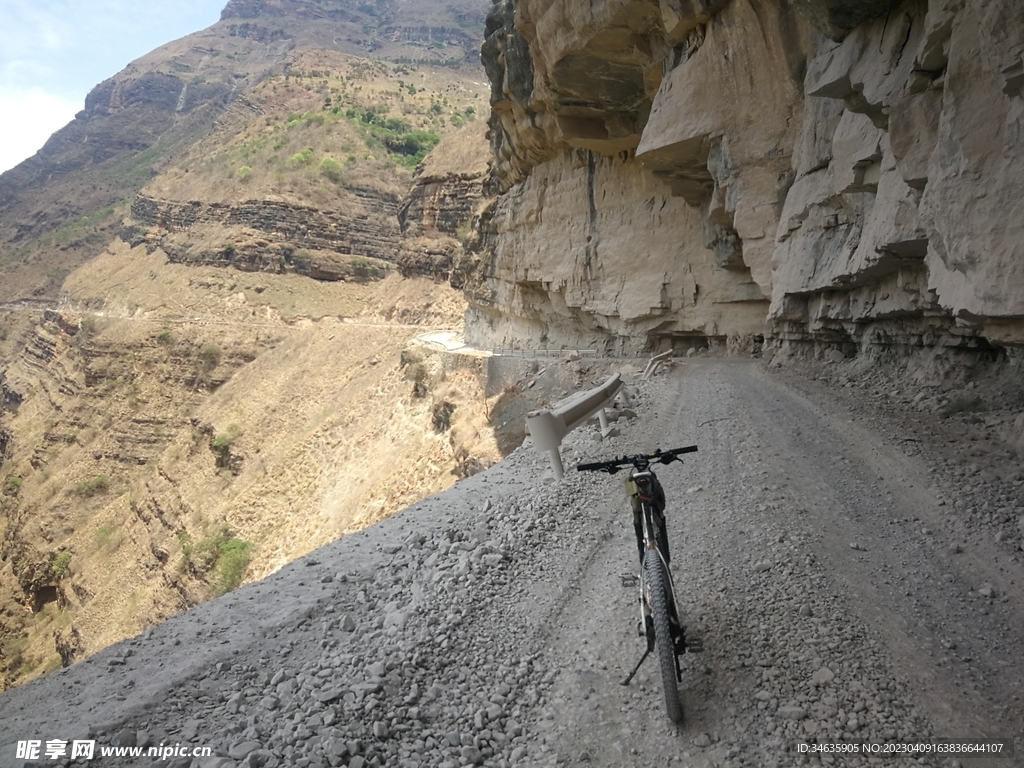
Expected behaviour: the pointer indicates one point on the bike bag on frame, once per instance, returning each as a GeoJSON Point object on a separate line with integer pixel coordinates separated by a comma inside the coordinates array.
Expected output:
{"type": "Point", "coordinates": [653, 493]}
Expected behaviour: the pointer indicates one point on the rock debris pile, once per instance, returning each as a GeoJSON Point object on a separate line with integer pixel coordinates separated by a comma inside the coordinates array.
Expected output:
{"type": "Point", "coordinates": [416, 662]}
{"type": "Point", "coordinates": [488, 625]}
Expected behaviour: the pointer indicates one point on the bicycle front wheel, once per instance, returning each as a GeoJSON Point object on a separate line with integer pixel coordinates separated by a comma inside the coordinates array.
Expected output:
{"type": "Point", "coordinates": [657, 593]}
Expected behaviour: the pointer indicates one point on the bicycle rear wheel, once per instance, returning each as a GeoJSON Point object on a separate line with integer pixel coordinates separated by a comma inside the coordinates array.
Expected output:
{"type": "Point", "coordinates": [657, 591]}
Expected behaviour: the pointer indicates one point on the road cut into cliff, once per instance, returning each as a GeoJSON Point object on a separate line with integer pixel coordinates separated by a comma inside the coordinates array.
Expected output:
{"type": "Point", "coordinates": [854, 572]}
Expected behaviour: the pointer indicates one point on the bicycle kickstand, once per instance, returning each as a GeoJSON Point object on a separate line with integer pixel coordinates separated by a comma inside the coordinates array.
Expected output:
{"type": "Point", "coordinates": [637, 667]}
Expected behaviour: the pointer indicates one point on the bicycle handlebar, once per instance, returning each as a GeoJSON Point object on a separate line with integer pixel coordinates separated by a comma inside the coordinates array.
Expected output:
{"type": "Point", "coordinates": [640, 460]}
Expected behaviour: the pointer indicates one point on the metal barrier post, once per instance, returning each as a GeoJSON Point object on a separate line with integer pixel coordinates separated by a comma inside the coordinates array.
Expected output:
{"type": "Point", "coordinates": [549, 425]}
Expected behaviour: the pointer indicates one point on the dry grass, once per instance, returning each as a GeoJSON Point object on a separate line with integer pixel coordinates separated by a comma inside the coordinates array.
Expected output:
{"type": "Point", "coordinates": [328, 431]}
{"type": "Point", "coordinates": [314, 138]}
{"type": "Point", "coordinates": [466, 149]}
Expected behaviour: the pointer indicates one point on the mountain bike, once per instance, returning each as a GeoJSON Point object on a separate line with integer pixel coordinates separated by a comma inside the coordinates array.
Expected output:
{"type": "Point", "coordinates": [659, 616]}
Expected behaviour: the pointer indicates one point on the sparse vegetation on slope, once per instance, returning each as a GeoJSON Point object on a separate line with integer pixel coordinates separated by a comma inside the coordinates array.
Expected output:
{"type": "Point", "coordinates": [215, 83]}
{"type": "Point", "coordinates": [211, 427]}
{"type": "Point", "coordinates": [329, 122]}
{"type": "Point", "coordinates": [181, 414]}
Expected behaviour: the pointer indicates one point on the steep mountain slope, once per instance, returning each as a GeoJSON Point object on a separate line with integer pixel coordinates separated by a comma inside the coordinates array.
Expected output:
{"type": "Point", "coordinates": [200, 426]}
{"type": "Point", "coordinates": [313, 179]}
{"type": "Point", "coordinates": [62, 205]}
{"type": "Point", "coordinates": [169, 427]}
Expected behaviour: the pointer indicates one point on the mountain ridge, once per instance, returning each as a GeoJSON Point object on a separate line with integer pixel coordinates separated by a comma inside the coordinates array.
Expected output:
{"type": "Point", "coordinates": [134, 122]}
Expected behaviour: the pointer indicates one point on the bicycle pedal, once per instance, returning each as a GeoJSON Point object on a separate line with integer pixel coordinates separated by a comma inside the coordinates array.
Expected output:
{"type": "Point", "coordinates": [694, 643]}
{"type": "Point", "coordinates": [630, 579]}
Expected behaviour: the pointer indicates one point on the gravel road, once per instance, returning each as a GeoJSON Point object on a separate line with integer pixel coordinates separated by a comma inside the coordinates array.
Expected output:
{"type": "Point", "coordinates": [839, 591]}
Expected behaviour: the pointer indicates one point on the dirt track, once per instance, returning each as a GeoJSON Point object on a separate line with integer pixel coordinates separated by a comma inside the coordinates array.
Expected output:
{"type": "Point", "coordinates": [817, 557]}
{"type": "Point", "coordinates": [763, 522]}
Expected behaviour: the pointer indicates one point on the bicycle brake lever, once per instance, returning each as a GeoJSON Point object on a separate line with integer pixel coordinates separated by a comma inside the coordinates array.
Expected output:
{"type": "Point", "coordinates": [613, 470]}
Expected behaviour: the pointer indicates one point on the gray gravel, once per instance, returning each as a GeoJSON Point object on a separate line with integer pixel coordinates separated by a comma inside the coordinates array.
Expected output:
{"type": "Point", "coordinates": [488, 625]}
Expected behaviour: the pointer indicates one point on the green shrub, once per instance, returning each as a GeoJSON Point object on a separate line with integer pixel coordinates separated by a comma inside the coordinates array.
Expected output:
{"type": "Point", "coordinates": [243, 173]}
{"type": "Point", "coordinates": [233, 557]}
{"type": "Point", "coordinates": [12, 486]}
{"type": "Point", "coordinates": [332, 170]}
{"type": "Point", "coordinates": [222, 442]}
{"type": "Point", "coordinates": [299, 159]}
{"type": "Point", "coordinates": [221, 553]}
{"type": "Point", "coordinates": [366, 270]}
{"type": "Point", "coordinates": [61, 565]}
{"type": "Point", "coordinates": [165, 336]}
{"type": "Point", "coordinates": [412, 146]}
{"type": "Point", "coordinates": [93, 487]}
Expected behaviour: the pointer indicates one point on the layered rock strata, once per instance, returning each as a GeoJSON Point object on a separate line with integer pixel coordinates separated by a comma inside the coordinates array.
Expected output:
{"type": "Point", "coordinates": [139, 122]}
{"type": "Point", "coordinates": [269, 235]}
{"type": "Point", "coordinates": [446, 197]}
{"type": "Point", "coordinates": [684, 170]}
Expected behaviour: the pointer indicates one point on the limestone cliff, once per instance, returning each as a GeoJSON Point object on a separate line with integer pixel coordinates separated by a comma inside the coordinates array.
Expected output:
{"type": "Point", "coordinates": [447, 194]}
{"type": "Point", "coordinates": [685, 171]}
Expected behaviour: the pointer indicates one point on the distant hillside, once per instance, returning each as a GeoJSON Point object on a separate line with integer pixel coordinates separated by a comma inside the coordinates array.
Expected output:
{"type": "Point", "coordinates": [64, 204]}
{"type": "Point", "coordinates": [169, 429]}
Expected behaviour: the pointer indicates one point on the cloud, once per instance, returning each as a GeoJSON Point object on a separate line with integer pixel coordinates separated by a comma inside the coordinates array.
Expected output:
{"type": "Point", "coordinates": [69, 46]}
{"type": "Point", "coordinates": [53, 52]}
{"type": "Point", "coordinates": [30, 117]}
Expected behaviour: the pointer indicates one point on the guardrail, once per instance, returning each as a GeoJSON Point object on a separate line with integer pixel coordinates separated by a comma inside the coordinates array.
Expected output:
{"type": "Point", "coordinates": [544, 352]}
{"type": "Point", "coordinates": [655, 362]}
{"type": "Point", "coordinates": [548, 426]}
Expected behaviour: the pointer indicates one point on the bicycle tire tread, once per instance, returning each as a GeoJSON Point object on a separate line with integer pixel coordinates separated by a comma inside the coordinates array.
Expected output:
{"type": "Point", "coordinates": [656, 584]}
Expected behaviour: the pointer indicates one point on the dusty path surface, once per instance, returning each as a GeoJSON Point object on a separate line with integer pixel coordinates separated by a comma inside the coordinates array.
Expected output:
{"type": "Point", "coordinates": [839, 591]}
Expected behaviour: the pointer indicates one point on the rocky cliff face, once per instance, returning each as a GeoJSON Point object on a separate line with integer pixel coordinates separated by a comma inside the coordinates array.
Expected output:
{"type": "Point", "coordinates": [447, 195]}
{"type": "Point", "coordinates": [690, 170]}
{"type": "Point", "coordinates": [275, 236]}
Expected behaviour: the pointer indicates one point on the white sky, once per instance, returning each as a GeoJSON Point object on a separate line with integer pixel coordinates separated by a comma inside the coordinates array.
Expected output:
{"type": "Point", "coordinates": [53, 52]}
